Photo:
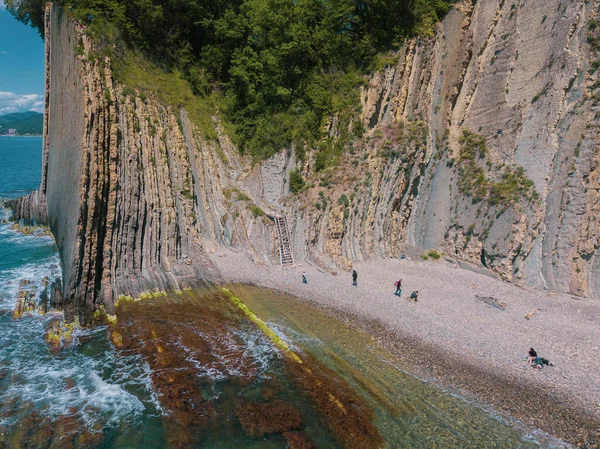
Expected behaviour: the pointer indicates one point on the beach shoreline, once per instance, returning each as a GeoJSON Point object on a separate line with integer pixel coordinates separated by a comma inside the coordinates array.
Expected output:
{"type": "Point", "coordinates": [459, 342]}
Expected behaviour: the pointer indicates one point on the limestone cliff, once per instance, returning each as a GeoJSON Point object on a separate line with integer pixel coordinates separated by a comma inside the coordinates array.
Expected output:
{"type": "Point", "coordinates": [523, 76]}
{"type": "Point", "coordinates": [133, 191]}
{"type": "Point", "coordinates": [480, 143]}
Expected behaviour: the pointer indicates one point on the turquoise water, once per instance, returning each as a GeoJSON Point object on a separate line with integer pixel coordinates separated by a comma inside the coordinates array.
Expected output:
{"type": "Point", "coordinates": [20, 165]}
{"type": "Point", "coordinates": [84, 386]}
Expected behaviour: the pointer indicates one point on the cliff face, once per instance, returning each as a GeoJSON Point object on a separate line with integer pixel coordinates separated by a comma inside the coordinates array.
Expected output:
{"type": "Point", "coordinates": [133, 191]}
{"type": "Point", "coordinates": [522, 76]}
{"type": "Point", "coordinates": [138, 199]}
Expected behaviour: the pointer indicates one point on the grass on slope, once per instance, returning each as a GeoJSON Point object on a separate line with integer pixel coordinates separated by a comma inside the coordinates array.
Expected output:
{"type": "Point", "coordinates": [170, 88]}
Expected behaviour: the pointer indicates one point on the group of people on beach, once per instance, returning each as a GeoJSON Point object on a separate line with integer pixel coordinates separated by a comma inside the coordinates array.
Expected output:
{"type": "Point", "coordinates": [533, 359]}
{"type": "Point", "coordinates": [413, 296]}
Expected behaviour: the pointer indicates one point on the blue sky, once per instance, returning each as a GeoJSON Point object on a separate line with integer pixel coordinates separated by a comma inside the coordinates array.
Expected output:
{"type": "Point", "coordinates": [21, 66]}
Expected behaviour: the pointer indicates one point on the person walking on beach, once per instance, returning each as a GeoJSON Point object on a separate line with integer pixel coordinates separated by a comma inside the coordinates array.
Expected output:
{"type": "Point", "coordinates": [354, 277]}
{"type": "Point", "coordinates": [398, 287]}
{"type": "Point", "coordinates": [414, 295]}
{"type": "Point", "coordinates": [304, 280]}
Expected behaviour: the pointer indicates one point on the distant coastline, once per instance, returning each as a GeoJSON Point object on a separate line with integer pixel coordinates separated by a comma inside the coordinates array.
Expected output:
{"type": "Point", "coordinates": [21, 135]}
{"type": "Point", "coordinates": [28, 123]}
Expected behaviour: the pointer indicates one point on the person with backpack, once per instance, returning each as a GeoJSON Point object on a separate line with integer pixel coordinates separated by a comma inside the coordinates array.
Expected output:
{"type": "Point", "coordinates": [354, 277]}
{"type": "Point", "coordinates": [398, 287]}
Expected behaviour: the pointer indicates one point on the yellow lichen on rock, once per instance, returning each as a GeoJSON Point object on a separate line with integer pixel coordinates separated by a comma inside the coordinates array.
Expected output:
{"type": "Point", "coordinates": [100, 317]}
{"type": "Point", "coordinates": [60, 334]}
{"type": "Point", "coordinates": [152, 294]}
{"type": "Point", "coordinates": [276, 339]}
{"type": "Point", "coordinates": [25, 302]}
{"type": "Point", "coordinates": [117, 339]}
{"type": "Point", "coordinates": [123, 299]}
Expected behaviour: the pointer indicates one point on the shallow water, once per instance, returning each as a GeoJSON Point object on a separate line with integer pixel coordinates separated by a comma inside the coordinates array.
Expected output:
{"type": "Point", "coordinates": [411, 413]}
{"type": "Point", "coordinates": [191, 370]}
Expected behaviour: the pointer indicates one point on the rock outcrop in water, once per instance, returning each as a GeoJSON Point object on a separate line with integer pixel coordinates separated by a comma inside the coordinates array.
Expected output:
{"type": "Point", "coordinates": [481, 143]}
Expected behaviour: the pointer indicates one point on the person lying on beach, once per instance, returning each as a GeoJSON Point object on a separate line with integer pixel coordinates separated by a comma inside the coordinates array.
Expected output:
{"type": "Point", "coordinates": [536, 361]}
{"type": "Point", "coordinates": [532, 356]}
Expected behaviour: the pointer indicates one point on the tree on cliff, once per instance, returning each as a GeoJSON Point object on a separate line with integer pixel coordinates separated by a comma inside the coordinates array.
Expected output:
{"type": "Point", "coordinates": [30, 12]}
{"type": "Point", "coordinates": [284, 66]}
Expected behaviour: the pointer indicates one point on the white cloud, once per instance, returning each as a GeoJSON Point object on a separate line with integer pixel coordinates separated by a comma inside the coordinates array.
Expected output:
{"type": "Point", "coordinates": [11, 102]}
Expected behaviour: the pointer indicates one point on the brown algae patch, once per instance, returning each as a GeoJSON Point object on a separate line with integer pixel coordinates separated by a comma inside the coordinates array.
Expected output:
{"type": "Point", "coordinates": [210, 382]}
{"type": "Point", "coordinates": [260, 419]}
{"type": "Point", "coordinates": [298, 440]}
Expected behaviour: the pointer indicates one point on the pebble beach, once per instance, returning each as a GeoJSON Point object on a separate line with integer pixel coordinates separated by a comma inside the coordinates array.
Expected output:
{"type": "Point", "coordinates": [469, 332]}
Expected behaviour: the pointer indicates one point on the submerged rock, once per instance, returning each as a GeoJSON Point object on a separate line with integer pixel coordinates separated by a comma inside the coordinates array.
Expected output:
{"type": "Point", "coordinates": [205, 373]}
{"type": "Point", "coordinates": [299, 440]}
{"type": "Point", "coordinates": [25, 302]}
{"type": "Point", "coordinates": [261, 419]}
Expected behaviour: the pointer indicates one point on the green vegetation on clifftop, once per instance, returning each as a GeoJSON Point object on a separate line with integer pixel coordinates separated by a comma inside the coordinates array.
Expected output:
{"type": "Point", "coordinates": [283, 66]}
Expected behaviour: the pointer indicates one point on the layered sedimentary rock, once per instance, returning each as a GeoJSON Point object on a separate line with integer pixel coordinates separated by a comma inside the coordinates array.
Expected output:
{"type": "Point", "coordinates": [519, 74]}
{"type": "Point", "coordinates": [133, 189]}
{"type": "Point", "coordinates": [31, 208]}
{"type": "Point", "coordinates": [138, 198]}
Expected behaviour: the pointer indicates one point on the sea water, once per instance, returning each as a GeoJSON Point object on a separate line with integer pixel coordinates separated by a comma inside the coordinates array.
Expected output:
{"type": "Point", "coordinates": [92, 395]}
{"type": "Point", "coordinates": [44, 393]}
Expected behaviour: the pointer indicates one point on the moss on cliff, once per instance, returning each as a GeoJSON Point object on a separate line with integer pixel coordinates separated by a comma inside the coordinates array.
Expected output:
{"type": "Point", "coordinates": [510, 183]}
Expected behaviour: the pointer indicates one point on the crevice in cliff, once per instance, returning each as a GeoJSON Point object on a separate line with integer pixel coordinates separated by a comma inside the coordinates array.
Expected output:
{"type": "Point", "coordinates": [143, 235]}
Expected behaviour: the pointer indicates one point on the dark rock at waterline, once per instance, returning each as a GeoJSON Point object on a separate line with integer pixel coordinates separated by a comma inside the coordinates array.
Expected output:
{"type": "Point", "coordinates": [56, 296]}
{"type": "Point", "coordinates": [274, 417]}
{"type": "Point", "coordinates": [30, 209]}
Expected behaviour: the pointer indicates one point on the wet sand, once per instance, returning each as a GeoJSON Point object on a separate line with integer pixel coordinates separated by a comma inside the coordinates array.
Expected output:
{"type": "Point", "coordinates": [472, 346]}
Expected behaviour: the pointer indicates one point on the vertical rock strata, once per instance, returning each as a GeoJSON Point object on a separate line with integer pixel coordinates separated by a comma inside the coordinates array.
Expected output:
{"type": "Point", "coordinates": [523, 76]}
{"type": "Point", "coordinates": [138, 199]}
{"type": "Point", "coordinates": [133, 190]}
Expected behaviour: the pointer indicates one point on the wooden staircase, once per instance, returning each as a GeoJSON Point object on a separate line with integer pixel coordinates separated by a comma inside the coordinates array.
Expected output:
{"type": "Point", "coordinates": [285, 248]}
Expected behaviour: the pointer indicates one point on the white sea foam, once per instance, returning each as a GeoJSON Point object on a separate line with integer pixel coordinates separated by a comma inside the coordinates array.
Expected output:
{"type": "Point", "coordinates": [100, 388]}
{"type": "Point", "coordinates": [226, 348]}
{"type": "Point", "coordinates": [34, 272]}
{"type": "Point", "coordinates": [290, 336]}
{"type": "Point", "coordinates": [80, 384]}
{"type": "Point", "coordinates": [258, 348]}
